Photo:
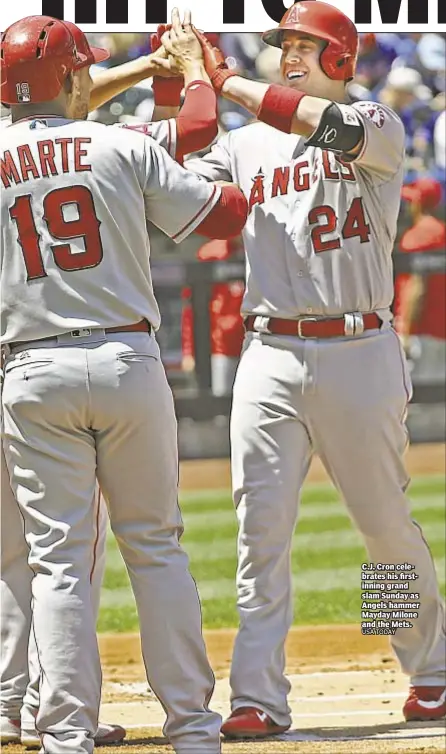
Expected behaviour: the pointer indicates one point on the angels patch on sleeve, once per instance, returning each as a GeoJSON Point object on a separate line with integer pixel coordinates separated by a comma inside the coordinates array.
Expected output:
{"type": "Point", "coordinates": [373, 112]}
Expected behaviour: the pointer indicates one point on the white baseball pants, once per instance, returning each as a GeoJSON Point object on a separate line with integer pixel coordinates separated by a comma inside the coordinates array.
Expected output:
{"type": "Point", "coordinates": [346, 400]}
{"type": "Point", "coordinates": [104, 408]}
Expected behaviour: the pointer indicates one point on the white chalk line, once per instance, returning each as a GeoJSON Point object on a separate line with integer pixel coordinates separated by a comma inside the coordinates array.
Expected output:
{"type": "Point", "coordinates": [303, 716]}
{"type": "Point", "coordinates": [325, 673]}
{"type": "Point", "coordinates": [346, 715]}
{"type": "Point", "coordinates": [318, 699]}
{"type": "Point", "coordinates": [302, 736]}
{"type": "Point", "coordinates": [141, 687]}
{"type": "Point", "coordinates": [342, 697]}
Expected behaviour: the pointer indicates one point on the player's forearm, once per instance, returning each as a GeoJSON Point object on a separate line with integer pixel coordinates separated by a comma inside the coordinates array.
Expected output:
{"type": "Point", "coordinates": [287, 108]}
{"type": "Point", "coordinates": [281, 107]}
{"type": "Point", "coordinates": [195, 71]}
{"type": "Point", "coordinates": [164, 112]}
{"type": "Point", "coordinates": [248, 94]}
{"type": "Point", "coordinates": [113, 81]}
{"type": "Point", "coordinates": [197, 123]}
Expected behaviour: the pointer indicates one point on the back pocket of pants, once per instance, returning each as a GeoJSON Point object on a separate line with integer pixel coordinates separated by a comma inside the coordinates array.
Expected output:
{"type": "Point", "coordinates": [26, 363]}
{"type": "Point", "coordinates": [134, 356]}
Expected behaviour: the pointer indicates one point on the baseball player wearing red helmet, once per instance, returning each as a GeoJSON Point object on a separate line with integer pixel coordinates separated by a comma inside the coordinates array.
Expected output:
{"type": "Point", "coordinates": [322, 369]}
{"type": "Point", "coordinates": [84, 392]}
{"type": "Point", "coordinates": [194, 128]}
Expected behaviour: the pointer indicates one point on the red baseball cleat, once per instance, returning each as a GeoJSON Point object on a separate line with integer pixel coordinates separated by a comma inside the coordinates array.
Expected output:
{"type": "Point", "coordinates": [425, 703]}
{"type": "Point", "coordinates": [250, 722]}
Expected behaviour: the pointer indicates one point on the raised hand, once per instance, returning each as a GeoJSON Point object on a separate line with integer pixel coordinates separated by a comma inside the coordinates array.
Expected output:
{"type": "Point", "coordinates": [181, 43]}
{"type": "Point", "coordinates": [168, 82]}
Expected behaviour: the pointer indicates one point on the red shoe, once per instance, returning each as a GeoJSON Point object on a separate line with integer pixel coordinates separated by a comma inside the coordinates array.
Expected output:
{"type": "Point", "coordinates": [250, 722]}
{"type": "Point", "coordinates": [425, 703]}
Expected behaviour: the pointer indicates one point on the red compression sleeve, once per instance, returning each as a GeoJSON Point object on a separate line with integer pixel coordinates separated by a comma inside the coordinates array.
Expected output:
{"type": "Point", "coordinates": [167, 92]}
{"type": "Point", "coordinates": [197, 121]}
{"type": "Point", "coordinates": [278, 107]}
{"type": "Point", "coordinates": [228, 217]}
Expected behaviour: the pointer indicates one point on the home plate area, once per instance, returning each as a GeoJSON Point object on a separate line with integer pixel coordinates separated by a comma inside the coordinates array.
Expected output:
{"type": "Point", "coordinates": [333, 711]}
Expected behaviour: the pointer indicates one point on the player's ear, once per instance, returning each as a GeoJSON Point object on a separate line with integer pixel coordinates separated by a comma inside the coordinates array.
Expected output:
{"type": "Point", "coordinates": [68, 84]}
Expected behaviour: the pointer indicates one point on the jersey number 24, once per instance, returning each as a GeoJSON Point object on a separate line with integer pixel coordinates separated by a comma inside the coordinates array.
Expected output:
{"type": "Point", "coordinates": [86, 226]}
{"type": "Point", "coordinates": [355, 226]}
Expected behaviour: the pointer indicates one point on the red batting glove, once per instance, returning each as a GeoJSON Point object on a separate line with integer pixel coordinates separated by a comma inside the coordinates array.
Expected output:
{"type": "Point", "coordinates": [166, 91]}
{"type": "Point", "coordinates": [214, 62]}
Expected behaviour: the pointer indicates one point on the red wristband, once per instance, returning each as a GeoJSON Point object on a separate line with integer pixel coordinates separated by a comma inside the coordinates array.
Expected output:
{"type": "Point", "coordinates": [278, 107]}
{"type": "Point", "coordinates": [219, 77]}
{"type": "Point", "coordinates": [167, 91]}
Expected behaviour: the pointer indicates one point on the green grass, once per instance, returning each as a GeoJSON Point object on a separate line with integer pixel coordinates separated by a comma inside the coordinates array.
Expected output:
{"type": "Point", "coordinates": [326, 558]}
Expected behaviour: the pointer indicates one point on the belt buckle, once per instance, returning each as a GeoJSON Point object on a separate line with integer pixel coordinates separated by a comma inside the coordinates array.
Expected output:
{"type": "Point", "coordinates": [299, 328]}
{"type": "Point", "coordinates": [353, 324]}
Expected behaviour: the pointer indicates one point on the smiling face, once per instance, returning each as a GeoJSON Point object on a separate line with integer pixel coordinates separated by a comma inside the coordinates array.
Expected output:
{"type": "Point", "coordinates": [301, 69]}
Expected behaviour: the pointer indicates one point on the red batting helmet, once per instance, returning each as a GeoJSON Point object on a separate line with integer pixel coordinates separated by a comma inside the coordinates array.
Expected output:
{"type": "Point", "coordinates": [37, 54]}
{"type": "Point", "coordinates": [324, 21]}
{"type": "Point", "coordinates": [93, 54]}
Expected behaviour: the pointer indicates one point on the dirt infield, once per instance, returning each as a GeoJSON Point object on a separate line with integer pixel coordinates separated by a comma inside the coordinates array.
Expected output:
{"type": "Point", "coordinates": [346, 694]}
{"type": "Point", "coordinates": [421, 459]}
{"type": "Point", "coordinates": [346, 697]}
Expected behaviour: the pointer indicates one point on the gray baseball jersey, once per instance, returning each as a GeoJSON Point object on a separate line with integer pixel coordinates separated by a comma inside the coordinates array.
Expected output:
{"type": "Point", "coordinates": [331, 223]}
{"type": "Point", "coordinates": [79, 224]}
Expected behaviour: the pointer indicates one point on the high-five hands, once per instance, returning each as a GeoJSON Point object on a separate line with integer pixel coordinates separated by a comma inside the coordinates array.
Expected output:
{"type": "Point", "coordinates": [168, 83]}
{"type": "Point", "coordinates": [182, 46]}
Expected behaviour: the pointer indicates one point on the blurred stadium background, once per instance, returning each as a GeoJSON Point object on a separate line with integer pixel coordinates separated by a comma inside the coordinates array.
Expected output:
{"type": "Point", "coordinates": [201, 329]}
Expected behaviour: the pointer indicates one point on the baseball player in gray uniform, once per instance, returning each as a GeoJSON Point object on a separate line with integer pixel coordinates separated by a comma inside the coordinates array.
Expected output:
{"type": "Point", "coordinates": [85, 394]}
{"type": "Point", "coordinates": [195, 128]}
{"type": "Point", "coordinates": [322, 370]}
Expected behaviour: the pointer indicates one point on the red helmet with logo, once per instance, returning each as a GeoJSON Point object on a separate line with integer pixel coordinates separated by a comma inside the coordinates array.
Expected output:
{"type": "Point", "coordinates": [37, 54]}
{"type": "Point", "coordinates": [324, 21]}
